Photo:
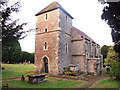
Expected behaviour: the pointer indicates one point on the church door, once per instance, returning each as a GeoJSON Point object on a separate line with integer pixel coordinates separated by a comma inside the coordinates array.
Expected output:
{"type": "Point", "coordinates": [45, 62]}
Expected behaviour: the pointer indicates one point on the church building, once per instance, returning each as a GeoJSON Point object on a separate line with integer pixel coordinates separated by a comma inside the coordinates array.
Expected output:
{"type": "Point", "coordinates": [59, 45]}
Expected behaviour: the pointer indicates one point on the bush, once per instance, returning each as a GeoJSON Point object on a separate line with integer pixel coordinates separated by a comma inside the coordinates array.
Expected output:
{"type": "Point", "coordinates": [114, 72]}
{"type": "Point", "coordinates": [112, 56]}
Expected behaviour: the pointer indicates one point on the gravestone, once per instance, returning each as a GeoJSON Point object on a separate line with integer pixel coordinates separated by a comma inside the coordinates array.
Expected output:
{"type": "Point", "coordinates": [36, 78]}
{"type": "Point", "coordinates": [1, 68]}
{"type": "Point", "coordinates": [23, 78]}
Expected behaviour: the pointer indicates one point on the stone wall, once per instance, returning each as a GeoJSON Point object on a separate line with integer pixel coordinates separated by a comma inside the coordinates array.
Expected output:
{"type": "Point", "coordinates": [77, 45]}
{"type": "Point", "coordinates": [91, 66]}
{"type": "Point", "coordinates": [80, 62]}
{"type": "Point", "coordinates": [78, 54]}
{"type": "Point", "coordinates": [62, 46]}
{"type": "Point", "coordinates": [51, 39]}
{"type": "Point", "coordinates": [65, 24]}
{"type": "Point", "coordinates": [94, 65]}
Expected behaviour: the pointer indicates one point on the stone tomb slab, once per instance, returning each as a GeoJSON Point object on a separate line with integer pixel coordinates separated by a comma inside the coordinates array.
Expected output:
{"type": "Point", "coordinates": [36, 78]}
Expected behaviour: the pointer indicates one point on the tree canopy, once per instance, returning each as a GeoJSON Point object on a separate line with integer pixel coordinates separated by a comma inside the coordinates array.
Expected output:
{"type": "Point", "coordinates": [26, 56]}
{"type": "Point", "coordinates": [104, 51]}
{"type": "Point", "coordinates": [112, 56]}
{"type": "Point", "coordinates": [111, 15]}
{"type": "Point", "coordinates": [12, 31]}
{"type": "Point", "coordinates": [113, 59]}
{"type": "Point", "coordinates": [11, 52]}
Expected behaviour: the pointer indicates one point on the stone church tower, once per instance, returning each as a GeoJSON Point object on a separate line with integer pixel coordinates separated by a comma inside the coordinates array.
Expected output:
{"type": "Point", "coordinates": [59, 45]}
{"type": "Point", "coordinates": [53, 39]}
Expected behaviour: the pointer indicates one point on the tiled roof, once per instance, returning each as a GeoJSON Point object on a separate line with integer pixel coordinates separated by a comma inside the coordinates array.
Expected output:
{"type": "Point", "coordinates": [53, 6]}
{"type": "Point", "coordinates": [83, 34]}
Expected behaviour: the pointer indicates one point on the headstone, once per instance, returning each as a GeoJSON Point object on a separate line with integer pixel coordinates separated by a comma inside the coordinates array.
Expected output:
{"type": "Point", "coordinates": [22, 78]}
{"type": "Point", "coordinates": [108, 69]}
{"type": "Point", "coordinates": [5, 86]}
{"type": "Point", "coordinates": [1, 68]}
{"type": "Point", "coordinates": [8, 62]}
{"type": "Point", "coordinates": [28, 62]}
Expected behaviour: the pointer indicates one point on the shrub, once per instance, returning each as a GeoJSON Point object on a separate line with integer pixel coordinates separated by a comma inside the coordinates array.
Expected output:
{"type": "Point", "coordinates": [114, 72]}
{"type": "Point", "coordinates": [67, 69]}
{"type": "Point", "coordinates": [112, 56]}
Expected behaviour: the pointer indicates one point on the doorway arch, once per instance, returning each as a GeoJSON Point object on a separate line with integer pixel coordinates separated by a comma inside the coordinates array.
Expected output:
{"type": "Point", "coordinates": [45, 65]}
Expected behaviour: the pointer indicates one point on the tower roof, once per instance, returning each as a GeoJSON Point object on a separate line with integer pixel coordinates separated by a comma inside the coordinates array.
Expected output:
{"type": "Point", "coordinates": [53, 6]}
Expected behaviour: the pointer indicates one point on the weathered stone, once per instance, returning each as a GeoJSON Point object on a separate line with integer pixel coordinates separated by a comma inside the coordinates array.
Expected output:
{"type": "Point", "coordinates": [62, 44]}
{"type": "Point", "coordinates": [36, 78]}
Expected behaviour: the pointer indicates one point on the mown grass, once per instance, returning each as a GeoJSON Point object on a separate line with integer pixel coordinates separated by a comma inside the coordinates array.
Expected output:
{"type": "Point", "coordinates": [16, 70]}
{"type": "Point", "coordinates": [107, 83]}
{"type": "Point", "coordinates": [50, 83]}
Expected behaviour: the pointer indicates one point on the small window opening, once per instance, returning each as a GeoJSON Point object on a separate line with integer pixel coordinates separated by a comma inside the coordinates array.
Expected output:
{"type": "Point", "coordinates": [66, 18]}
{"type": "Point", "coordinates": [66, 48]}
{"type": "Point", "coordinates": [46, 16]}
{"type": "Point", "coordinates": [45, 45]}
{"type": "Point", "coordinates": [46, 30]}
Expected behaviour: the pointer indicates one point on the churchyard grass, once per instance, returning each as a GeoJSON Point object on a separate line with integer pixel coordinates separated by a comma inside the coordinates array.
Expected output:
{"type": "Point", "coordinates": [107, 83]}
{"type": "Point", "coordinates": [17, 70]}
{"type": "Point", "coordinates": [50, 83]}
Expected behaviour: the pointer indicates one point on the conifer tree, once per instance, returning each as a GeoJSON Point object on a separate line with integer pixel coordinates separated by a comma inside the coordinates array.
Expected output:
{"type": "Point", "coordinates": [12, 31]}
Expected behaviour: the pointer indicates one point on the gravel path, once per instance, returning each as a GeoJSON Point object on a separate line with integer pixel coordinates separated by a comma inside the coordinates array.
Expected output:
{"type": "Point", "coordinates": [93, 80]}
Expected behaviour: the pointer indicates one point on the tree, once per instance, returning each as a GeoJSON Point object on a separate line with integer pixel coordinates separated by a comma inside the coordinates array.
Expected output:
{"type": "Point", "coordinates": [113, 60]}
{"type": "Point", "coordinates": [114, 72]}
{"type": "Point", "coordinates": [12, 31]}
{"type": "Point", "coordinates": [104, 51]}
{"type": "Point", "coordinates": [111, 15]}
{"type": "Point", "coordinates": [27, 56]}
{"type": "Point", "coordinates": [12, 52]}
{"type": "Point", "coordinates": [112, 56]}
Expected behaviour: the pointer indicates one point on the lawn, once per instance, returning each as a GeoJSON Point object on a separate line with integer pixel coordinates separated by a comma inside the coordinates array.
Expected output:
{"type": "Point", "coordinates": [16, 70]}
{"type": "Point", "coordinates": [50, 83]}
{"type": "Point", "coordinates": [107, 83]}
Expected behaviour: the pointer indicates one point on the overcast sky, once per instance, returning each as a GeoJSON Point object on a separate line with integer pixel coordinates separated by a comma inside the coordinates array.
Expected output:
{"type": "Point", "coordinates": [86, 13]}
